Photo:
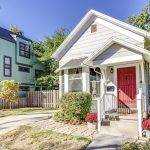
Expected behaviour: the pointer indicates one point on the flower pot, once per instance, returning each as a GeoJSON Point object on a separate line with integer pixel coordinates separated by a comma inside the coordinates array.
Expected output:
{"type": "Point", "coordinates": [147, 133]}
{"type": "Point", "coordinates": [92, 125]}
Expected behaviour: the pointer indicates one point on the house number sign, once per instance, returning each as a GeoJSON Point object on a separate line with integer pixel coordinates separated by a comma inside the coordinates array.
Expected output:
{"type": "Point", "coordinates": [110, 88]}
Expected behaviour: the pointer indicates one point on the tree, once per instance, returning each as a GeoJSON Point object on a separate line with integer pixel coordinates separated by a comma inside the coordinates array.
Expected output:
{"type": "Point", "coordinates": [9, 91]}
{"type": "Point", "coordinates": [44, 50]}
{"type": "Point", "coordinates": [142, 20]}
{"type": "Point", "coordinates": [16, 30]}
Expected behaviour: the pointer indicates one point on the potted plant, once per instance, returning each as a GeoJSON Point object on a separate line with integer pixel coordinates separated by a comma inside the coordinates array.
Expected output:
{"type": "Point", "coordinates": [91, 120]}
{"type": "Point", "coordinates": [146, 127]}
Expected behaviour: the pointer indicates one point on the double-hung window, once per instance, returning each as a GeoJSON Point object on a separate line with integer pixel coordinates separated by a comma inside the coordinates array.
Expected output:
{"type": "Point", "coordinates": [95, 82]}
{"type": "Point", "coordinates": [24, 50]}
{"type": "Point", "coordinates": [7, 66]}
{"type": "Point", "coordinates": [75, 80]}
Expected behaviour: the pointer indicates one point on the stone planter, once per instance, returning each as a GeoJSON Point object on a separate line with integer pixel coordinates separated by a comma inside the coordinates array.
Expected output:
{"type": "Point", "coordinates": [147, 133]}
{"type": "Point", "coordinates": [92, 125]}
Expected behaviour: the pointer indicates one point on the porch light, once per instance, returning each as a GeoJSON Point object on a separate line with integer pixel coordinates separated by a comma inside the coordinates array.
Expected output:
{"type": "Point", "coordinates": [111, 70]}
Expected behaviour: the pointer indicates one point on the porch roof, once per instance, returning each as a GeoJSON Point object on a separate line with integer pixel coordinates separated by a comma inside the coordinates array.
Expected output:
{"type": "Point", "coordinates": [73, 63]}
{"type": "Point", "coordinates": [110, 42]}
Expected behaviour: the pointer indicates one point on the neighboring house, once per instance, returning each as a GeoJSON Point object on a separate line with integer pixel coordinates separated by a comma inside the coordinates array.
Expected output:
{"type": "Point", "coordinates": [110, 59]}
{"type": "Point", "coordinates": [17, 60]}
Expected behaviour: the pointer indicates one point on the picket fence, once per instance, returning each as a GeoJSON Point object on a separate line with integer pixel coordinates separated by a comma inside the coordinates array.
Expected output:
{"type": "Point", "coordinates": [45, 99]}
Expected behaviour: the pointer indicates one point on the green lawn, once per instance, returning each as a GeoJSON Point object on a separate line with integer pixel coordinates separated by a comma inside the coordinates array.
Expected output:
{"type": "Point", "coordinates": [22, 111]}
{"type": "Point", "coordinates": [31, 138]}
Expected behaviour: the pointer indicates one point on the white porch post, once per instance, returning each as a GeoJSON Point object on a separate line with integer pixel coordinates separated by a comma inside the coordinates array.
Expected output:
{"type": "Point", "coordinates": [99, 108]}
{"type": "Point", "coordinates": [139, 107]}
{"type": "Point", "coordinates": [66, 81]}
{"type": "Point", "coordinates": [85, 79]}
{"type": "Point", "coordinates": [98, 114]}
{"type": "Point", "coordinates": [60, 84]}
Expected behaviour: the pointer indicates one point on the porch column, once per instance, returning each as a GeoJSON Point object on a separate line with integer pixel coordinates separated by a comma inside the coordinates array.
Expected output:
{"type": "Point", "coordinates": [60, 84]}
{"type": "Point", "coordinates": [139, 107]}
{"type": "Point", "coordinates": [85, 79]}
{"type": "Point", "coordinates": [66, 81]}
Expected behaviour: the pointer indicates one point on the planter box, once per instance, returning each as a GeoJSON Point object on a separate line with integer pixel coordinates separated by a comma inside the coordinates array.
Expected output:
{"type": "Point", "coordinates": [147, 133]}
{"type": "Point", "coordinates": [92, 125]}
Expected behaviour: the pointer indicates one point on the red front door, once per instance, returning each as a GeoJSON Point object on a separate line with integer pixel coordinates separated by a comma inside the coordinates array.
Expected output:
{"type": "Point", "coordinates": [126, 78]}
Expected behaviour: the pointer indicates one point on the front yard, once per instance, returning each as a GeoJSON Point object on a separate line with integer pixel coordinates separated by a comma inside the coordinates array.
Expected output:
{"type": "Point", "coordinates": [23, 111]}
{"type": "Point", "coordinates": [33, 138]}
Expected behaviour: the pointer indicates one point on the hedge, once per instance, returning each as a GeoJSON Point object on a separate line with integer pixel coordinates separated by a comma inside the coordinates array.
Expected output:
{"type": "Point", "coordinates": [76, 104]}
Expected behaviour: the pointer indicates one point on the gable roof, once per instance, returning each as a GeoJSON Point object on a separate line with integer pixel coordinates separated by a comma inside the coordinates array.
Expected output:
{"type": "Point", "coordinates": [7, 35]}
{"type": "Point", "coordinates": [110, 42]}
{"type": "Point", "coordinates": [87, 17]}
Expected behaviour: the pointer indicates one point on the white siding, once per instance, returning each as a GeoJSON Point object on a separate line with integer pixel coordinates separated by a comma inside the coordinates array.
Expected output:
{"type": "Point", "coordinates": [88, 42]}
{"type": "Point", "coordinates": [115, 51]}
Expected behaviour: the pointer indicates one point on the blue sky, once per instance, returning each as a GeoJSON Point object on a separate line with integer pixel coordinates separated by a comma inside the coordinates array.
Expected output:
{"type": "Point", "coordinates": [42, 17]}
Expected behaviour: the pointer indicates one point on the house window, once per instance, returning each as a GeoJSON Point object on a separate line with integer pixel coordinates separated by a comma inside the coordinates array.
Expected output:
{"type": "Point", "coordinates": [37, 73]}
{"type": "Point", "coordinates": [44, 88]}
{"type": "Point", "coordinates": [24, 50]}
{"type": "Point", "coordinates": [95, 82]}
{"type": "Point", "coordinates": [7, 66]}
{"type": "Point", "coordinates": [75, 79]}
{"type": "Point", "coordinates": [24, 88]}
{"type": "Point", "coordinates": [23, 69]}
{"type": "Point", "coordinates": [93, 28]}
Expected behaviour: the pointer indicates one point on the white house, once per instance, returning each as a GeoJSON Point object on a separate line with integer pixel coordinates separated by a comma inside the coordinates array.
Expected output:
{"type": "Point", "coordinates": [110, 59]}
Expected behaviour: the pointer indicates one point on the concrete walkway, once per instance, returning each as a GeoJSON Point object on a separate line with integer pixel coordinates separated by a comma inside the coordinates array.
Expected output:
{"type": "Point", "coordinates": [107, 142]}
{"type": "Point", "coordinates": [12, 122]}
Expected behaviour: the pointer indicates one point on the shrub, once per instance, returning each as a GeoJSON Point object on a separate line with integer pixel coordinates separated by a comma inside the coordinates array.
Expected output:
{"type": "Point", "coordinates": [91, 117]}
{"type": "Point", "coordinates": [146, 124]}
{"type": "Point", "coordinates": [130, 146]}
{"type": "Point", "coordinates": [135, 146]}
{"type": "Point", "coordinates": [76, 104]}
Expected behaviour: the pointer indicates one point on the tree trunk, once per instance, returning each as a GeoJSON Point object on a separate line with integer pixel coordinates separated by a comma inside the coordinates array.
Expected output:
{"type": "Point", "coordinates": [10, 105]}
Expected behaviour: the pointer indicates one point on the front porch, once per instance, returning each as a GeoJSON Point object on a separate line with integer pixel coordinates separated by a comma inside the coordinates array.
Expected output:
{"type": "Point", "coordinates": [118, 79]}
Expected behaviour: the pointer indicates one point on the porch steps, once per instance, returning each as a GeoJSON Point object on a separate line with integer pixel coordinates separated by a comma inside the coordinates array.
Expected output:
{"type": "Point", "coordinates": [126, 126]}
{"type": "Point", "coordinates": [112, 117]}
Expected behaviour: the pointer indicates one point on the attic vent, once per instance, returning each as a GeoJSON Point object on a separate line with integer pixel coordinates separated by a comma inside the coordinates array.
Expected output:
{"type": "Point", "coordinates": [93, 28]}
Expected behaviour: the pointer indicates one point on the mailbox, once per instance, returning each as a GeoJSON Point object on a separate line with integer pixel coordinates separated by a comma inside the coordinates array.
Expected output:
{"type": "Point", "coordinates": [110, 88]}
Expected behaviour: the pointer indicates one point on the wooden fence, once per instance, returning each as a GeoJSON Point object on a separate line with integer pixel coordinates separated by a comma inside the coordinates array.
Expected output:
{"type": "Point", "coordinates": [46, 99]}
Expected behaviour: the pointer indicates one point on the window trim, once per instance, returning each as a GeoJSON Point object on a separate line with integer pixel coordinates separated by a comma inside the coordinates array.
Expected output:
{"type": "Point", "coordinates": [23, 70]}
{"type": "Point", "coordinates": [24, 51]}
{"type": "Point", "coordinates": [7, 68]}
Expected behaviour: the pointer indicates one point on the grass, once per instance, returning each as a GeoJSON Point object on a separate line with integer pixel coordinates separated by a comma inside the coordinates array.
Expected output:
{"type": "Point", "coordinates": [22, 111]}
{"type": "Point", "coordinates": [26, 137]}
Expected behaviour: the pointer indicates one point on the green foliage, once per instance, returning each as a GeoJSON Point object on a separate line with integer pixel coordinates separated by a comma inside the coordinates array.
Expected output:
{"type": "Point", "coordinates": [76, 104]}
{"type": "Point", "coordinates": [141, 20]}
{"type": "Point", "coordinates": [9, 91]}
{"type": "Point", "coordinates": [44, 50]}
{"type": "Point", "coordinates": [16, 30]}
{"type": "Point", "coordinates": [135, 146]}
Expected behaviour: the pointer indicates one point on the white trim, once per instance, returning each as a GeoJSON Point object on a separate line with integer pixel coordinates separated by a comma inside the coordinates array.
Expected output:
{"type": "Point", "coordinates": [85, 79]}
{"type": "Point", "coordinates": [88, 16]}
{"type": "Point", "coordinates": [118, 41]}
{"type": "Point", "coordinates": [122, 59]}
{"type": "Point", "coordinates": [66, 81]}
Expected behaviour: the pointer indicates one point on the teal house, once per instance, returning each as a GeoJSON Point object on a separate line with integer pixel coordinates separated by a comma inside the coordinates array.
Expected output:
{"type": "Point", "coordinates": [17, 61]}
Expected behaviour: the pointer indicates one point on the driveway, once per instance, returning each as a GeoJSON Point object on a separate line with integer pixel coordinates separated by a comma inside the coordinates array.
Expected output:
{"type": "Point", "coordinates": [11, 122]}
{"type": "Point", "coordinates": [108, 142]}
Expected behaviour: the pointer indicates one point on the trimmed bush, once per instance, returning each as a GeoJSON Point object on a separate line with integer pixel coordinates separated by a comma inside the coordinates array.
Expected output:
{"type": "Point", "coordinates": [135, 146]}
{"type": "Point", "coordinates": [76, 104]}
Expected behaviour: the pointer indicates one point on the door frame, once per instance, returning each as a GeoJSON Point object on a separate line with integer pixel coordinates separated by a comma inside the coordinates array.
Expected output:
{"type": "Point", "coordinates": [136, 65]}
